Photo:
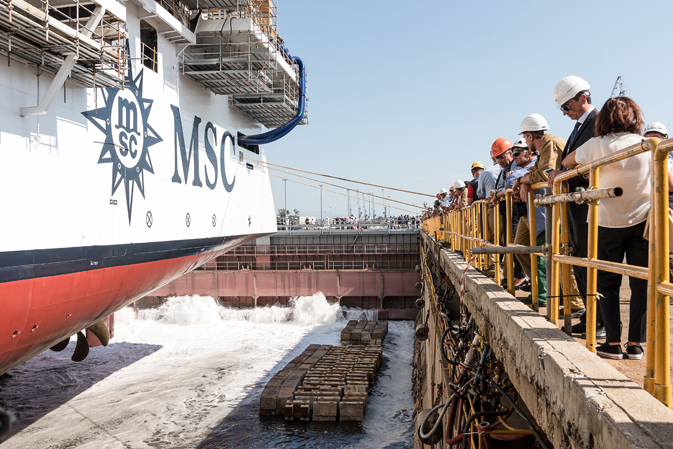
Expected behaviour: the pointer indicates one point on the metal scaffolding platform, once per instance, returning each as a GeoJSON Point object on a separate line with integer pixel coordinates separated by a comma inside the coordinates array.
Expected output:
{"type": "Point", "coordinates": [238, 53]}
{"type": "Point", "coordinates": [49, 35]}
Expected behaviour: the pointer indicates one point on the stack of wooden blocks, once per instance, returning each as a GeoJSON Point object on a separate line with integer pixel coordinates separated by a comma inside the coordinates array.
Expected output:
{"type": "Point", "coordinates": [282, 386]}
{"type": "Point", "coordinates": [364, 332]}
{"type": "Point", "coordinates": [336, 388]}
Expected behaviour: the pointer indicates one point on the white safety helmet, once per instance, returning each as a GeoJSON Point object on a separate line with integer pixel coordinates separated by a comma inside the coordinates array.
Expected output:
{"type": "Point", "coordinates": [443, 191]}
{"type": "Point", "coordinates": [568, 88]}
{"type": "Point", "coordinates": [534, 122]}
{"type": "Point", "coordinates": [656, 127]}
{"type": "Point", "coordinates": [521, 143]}
{"type": "Point", "coordinates": [459, 184]}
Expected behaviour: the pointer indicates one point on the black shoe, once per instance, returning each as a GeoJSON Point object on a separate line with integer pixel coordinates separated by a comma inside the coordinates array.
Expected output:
{"type": "Point", "coordinates": [581, 328]}
{"type": "Point", "coordinates": [634, 352]}
{"type": "Point", "coordinates": [610, 351]}
{"type": "Point", "coordinates": [523, 285]}
{"type": "Point", "coordinates": [575, 313]}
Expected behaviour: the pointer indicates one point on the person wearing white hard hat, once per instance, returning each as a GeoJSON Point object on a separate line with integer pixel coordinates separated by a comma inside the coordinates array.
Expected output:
{"type": "Point", "coordinates": [572, 96]}
{"type": "Point", "coordinates": [534, 130]}
{"type": "Point", "coordinates": [658, 130]}
{"type": "Point", "coordinates": [445, 200]}
{"type": "Point", "coordinates": [461, 194]}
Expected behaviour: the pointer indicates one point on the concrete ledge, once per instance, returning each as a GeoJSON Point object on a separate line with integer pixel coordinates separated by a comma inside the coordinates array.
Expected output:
{"type": "Point", "coordinates": [578, 399]}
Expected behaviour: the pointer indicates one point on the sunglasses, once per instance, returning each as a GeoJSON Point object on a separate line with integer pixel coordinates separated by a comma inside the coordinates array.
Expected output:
{"type": "Point", "coordinates": [565, 108]}
{"type": "Point", "coordinates": [516, 152]}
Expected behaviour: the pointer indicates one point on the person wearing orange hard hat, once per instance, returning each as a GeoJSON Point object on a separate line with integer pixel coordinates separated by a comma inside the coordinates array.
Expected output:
{"type": "Point", "coordinates": [501, 152]}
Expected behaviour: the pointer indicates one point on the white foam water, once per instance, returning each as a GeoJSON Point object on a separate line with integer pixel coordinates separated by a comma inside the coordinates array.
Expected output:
{"type": "Point", "coordinates": [356, 313]}
{"type": "Point", "coordinates": [185, 374]}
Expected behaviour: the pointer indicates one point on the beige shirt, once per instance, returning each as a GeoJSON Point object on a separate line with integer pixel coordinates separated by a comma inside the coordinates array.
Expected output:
{"type": "Point", "coordinates": [550, 157]}
{"type": "Point", "coordinates": [462, 202]}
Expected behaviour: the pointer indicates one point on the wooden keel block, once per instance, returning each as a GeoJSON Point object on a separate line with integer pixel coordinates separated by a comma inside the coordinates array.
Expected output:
{"type": "Point", "coordinates": [351, 411]}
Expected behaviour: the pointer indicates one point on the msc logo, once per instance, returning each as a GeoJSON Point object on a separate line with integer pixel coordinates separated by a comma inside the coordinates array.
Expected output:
{"type": "Point", "coordinates": [128, 136]}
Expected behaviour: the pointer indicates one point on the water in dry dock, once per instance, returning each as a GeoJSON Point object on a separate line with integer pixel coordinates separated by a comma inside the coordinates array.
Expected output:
{"type": "Point", "coordinates": [189, 375]}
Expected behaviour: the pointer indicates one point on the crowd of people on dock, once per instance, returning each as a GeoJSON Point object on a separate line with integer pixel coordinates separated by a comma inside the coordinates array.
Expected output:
{"type": "Point", "coordinates": [539, 157]}
{"type": "Point", "coordinates": [351, 222]}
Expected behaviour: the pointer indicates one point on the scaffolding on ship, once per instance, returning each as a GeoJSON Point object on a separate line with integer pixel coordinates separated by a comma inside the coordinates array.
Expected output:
{"type": "Point", "coordinates": [238, 53]}
{"type": "Point", "coordinates": [49, 34]}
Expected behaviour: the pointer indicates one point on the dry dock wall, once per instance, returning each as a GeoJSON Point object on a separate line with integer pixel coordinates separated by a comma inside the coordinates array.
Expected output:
{"type": "Point", "coordinates": [578, 399]}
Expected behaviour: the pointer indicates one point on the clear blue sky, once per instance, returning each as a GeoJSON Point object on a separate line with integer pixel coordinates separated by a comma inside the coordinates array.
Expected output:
{"type": "Point", "coordinates": [409, 94]}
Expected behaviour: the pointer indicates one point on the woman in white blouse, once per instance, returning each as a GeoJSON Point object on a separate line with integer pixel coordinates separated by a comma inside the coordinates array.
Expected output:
{"type": "Point", "coordinates": [621, 221]}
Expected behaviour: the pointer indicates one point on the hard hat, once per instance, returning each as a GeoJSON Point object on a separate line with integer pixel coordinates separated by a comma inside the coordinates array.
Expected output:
{"type": "Point", "coordinates": [656, 127]}
{"type": "Point", "coordinates": [521, 143]}
{"type": "Point", "coordinates": [452, 189]}
{"type": "Point", "coordinates": [534, 122]}
{"type": "Point", "coordinates": [443, 191]}
{"type": "Point", "coordinates": [500, 146]}
{"type": "Point", "coordinates": [477, 165]}
{"type": "Point", "coordinates": [568, 88]}
{"type": "Point", "coordinates": [459, 184]}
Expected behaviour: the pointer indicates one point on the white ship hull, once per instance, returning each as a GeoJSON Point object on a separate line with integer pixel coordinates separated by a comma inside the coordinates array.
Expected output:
{"type": "Point", "coordinates": [113, 193]}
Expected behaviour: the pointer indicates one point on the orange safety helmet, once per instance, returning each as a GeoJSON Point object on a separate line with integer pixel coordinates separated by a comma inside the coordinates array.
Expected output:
{"type": "Point", "coordinates": [500, 146]}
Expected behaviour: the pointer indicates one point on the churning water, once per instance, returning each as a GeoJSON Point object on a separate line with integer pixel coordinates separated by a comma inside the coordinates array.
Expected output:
{"type": "Point", "coordinates": [189, 375]}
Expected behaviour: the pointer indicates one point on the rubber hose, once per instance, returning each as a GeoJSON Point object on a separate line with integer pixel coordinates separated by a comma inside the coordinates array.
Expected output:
{"type": "Point", "coordinates": [442, 349]}
{"type": "Point", "coordinates": [452, 417]}
{"type": "Point", "coordinates": [518, 410]}
{"type": "Point", "coordinates": [475, 416]}
{"type": "Point", "coordinates": [458, 438]}
{"type": "Point", "coordinates": [439, 418]}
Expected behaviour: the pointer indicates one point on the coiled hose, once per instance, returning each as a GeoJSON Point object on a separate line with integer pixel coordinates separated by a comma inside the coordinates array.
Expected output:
{"type": "Point", "coordinates": [438, 423]}
{"type": "Point", "coordinates": [424, 436]}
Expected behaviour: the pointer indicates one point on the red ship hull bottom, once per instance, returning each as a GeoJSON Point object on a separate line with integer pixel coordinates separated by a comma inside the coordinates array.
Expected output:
{"type": "Point", "coordinates": [37, 313]}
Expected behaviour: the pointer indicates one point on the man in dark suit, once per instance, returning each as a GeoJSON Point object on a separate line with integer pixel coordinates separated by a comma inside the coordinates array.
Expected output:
{"type": "Point", "coordinates": [573, 97]}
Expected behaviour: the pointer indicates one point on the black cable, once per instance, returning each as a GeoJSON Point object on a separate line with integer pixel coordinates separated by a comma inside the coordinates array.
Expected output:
{"type": "Point", "coordinates": [518, 410]}
{"type": "Point", "coordinates": [475, 416]}
{"type": "Point", "coordinates": [442, 349]}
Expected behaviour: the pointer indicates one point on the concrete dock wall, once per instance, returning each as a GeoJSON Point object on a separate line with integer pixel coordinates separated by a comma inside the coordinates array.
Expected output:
{"type": "Point", "coordinates": [579, 400]}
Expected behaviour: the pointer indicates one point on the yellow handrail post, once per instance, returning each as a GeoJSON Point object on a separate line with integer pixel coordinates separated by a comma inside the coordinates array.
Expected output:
{"type": "Point", "coordinates": [462, 226]}
{"type": "Point", "coordinates": [496, 242]}
{"type": "Point", "coordinates": [472, 233]}
{"type": "Point", "coordinates": [441, 227]}
{"type": "Point", "coordinates": [565, 268]}
{"type": "Point", "coordinates": [662, 366]}
{"type": "Point", "coordinates": [476, 216]}
{"type": "Point", "coordinates": [650, 356]}
{"type": "Point", "coordinates": [553, 295]}
{"type": "Point", "coordinates": [509, 238]}
{"type": "Point", "coordinates": [454, 227]}
{"type": "Point", "coordinates": [533, 257]}
{"type": "Point", "coordinates": [485, 258]}
{"type": "Point", "coordinates": [592, 272]}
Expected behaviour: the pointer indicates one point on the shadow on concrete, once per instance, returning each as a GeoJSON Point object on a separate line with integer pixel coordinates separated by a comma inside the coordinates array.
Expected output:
{"type": "Point", "coordinates": [243, 427]}
{"type": "Point", "coordinates": [51, 379]}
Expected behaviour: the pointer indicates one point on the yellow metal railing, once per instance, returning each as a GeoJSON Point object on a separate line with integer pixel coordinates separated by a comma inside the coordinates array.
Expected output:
{"type": "Point", "coordinates": [466, 229]}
